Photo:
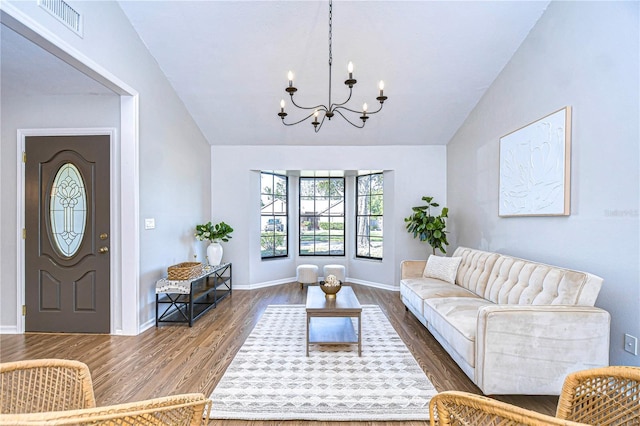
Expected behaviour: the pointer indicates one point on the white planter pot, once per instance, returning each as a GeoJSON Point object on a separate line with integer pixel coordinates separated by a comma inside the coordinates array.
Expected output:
{"type": "Point", "coordinates": [214, 254]}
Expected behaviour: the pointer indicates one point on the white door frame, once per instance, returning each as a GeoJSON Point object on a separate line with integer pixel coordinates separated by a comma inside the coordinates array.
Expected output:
{"type": "Point", "coordinates": [125, 277]}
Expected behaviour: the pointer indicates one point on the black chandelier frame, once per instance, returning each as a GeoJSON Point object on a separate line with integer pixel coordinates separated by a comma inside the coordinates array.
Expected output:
{"type": "Point", "coordinates": [333, 108]}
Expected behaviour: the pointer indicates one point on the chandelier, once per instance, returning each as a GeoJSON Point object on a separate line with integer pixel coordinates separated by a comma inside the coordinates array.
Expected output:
{"type": "Point", "coordinates": [331, 109]}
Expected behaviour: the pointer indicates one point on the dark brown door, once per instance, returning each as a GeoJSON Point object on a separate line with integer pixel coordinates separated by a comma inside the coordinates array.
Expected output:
{"type": "Point", "coordinates": [67, 259]}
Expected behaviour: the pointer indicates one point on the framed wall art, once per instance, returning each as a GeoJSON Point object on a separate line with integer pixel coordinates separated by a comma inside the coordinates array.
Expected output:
{"type": "Point", "coordinates": [535, 168]}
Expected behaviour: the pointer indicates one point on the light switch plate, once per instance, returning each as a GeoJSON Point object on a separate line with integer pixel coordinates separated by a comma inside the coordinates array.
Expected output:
{"type": "Point", "coordinates": [149, 223]}
{"type": "Point", "coordinates": [631, 344]}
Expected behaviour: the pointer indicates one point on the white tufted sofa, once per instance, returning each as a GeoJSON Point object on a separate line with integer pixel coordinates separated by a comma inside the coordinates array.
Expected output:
{"type": "Point", "coordinates": [514, 326]}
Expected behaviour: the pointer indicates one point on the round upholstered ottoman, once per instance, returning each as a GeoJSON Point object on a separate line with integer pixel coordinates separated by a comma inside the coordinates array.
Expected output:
{"type": "Point", "coordinates": [337, 270]}
{"type": "Point", "coordinates": [307, 274]}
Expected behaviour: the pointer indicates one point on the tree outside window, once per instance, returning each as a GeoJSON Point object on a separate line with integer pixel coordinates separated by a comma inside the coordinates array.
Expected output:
{"type": "Point", "coordinates": [369, 216]}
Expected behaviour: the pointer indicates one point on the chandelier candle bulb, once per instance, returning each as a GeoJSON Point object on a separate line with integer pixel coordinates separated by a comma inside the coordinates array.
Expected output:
{"type": "Point", "coordinates": [350, 69]}
{"type": "Point", "coordinates": [282, 105]}
{"type": "Point", "coordinates": [365, 107]}
{"type": "Point", "coordinates": [381, 87]}
{"type": "Point", "coordinates": [290, 76]}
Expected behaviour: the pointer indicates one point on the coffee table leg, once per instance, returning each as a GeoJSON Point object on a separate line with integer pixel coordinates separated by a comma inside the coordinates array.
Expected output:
{"type": "Point", "coordinates": [359, 335]}
{"type": "Point", "coordinates": [308, 325]}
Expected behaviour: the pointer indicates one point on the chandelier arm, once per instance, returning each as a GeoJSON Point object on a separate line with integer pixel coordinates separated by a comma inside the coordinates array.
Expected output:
{"type": "Point", "coordinates": [318, 107]}
{"type": "Point", "coordinates": [334, 105]}
{"type": "Point", "coordinates": [317, 129]}
{"type": "Point", "coordinates": [298, 122]}
{"type": "Point", "coordinates": [349, 121]}
{"type": "Point", "coordinates": [358, 112]}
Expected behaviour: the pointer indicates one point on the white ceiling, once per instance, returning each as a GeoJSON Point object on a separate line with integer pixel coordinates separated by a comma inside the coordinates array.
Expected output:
{"type": "Point", "coordinates": [228, 61]}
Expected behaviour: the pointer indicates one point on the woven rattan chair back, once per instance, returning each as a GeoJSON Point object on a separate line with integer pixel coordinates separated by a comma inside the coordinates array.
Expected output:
{"type": "Point", "coordinates": [461, 408]}
{"type": "Point", "coordinates": [35, 386]}
{"type": "Point", "coordinates": [178, 410]}
{"type": "Point", "coordinates": [602, 396]}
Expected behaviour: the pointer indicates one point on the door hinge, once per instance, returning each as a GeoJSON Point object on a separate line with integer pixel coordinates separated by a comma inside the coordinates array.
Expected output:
{"type": "Point", "coordinates": [24, 233]}
{"type": "Point", "coordinates": [24, 310]}
{"type": "Point", "coordinates": [24, 157]}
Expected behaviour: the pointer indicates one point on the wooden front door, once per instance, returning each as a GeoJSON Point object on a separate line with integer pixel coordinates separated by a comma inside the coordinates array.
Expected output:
{"type": "Point", "coordinates": [67, 259]}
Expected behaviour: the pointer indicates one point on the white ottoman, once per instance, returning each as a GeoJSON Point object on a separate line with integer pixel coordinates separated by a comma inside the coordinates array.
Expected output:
{"type": "Point", "coordinates": [337, 270]}
{"type": "Point", "coordinates": [307, 274]}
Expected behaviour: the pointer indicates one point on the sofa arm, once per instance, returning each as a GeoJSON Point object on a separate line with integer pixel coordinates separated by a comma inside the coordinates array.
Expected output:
{"type": "Point", "coordinates": [412, 268]}
{"type": "Point", "coordinates": [530, 349]}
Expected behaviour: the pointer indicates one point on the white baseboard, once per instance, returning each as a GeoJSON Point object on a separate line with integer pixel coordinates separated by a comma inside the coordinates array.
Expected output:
{"type": "Point", "coordinates": [147, 325]}
{"type": "Point", "coordinates": [263, 284]}
{"type": "Point", "coordinates": [293, 280]}
{"type": "Point", "coordinates": [8, 329]}
{"type": "Point", "coordinates": [373, 284]}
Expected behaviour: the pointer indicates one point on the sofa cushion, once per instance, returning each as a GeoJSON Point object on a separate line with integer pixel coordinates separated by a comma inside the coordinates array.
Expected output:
{"type": "Point", "coordinates": [419, 289]}
{"type": "Point", "coordinates": [456, 318]}
{"type": "Point", "coordinates": [475, 269]}
{"type": "Point", "coordinates": [521, 282]}
{"type": "Point", "coordinates": [415, 290]}
{"type": "Point", "coordinates": [442, 268]}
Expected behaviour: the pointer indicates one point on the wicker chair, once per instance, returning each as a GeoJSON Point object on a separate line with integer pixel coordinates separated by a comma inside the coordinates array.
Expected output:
{"type": "Point", "coordinates": [186, 409]}
{"type": "Point", "coordinates": [602, 396]}
{"type": "Point", "coordinates": [454, 408]}
{"type": "Point", "coordinates": [37, 386]}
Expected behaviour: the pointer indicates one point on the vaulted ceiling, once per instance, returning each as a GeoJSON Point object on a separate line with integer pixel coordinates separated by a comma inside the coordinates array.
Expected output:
{"type": "Point", "coordinates": [228, 62]}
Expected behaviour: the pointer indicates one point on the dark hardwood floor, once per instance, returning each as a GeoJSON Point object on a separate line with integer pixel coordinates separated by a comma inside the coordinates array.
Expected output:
{"type": "Point", "coordinates": [176, 359]}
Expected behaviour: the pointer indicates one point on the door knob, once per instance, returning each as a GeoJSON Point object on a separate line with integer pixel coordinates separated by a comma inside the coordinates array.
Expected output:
{"type": "Point", "coordinates": [104, 249]}
{"type": "Point", "coordinates": [104, 236]}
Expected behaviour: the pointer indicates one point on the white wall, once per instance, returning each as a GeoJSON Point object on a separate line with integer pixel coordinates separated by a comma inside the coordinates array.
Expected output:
{"type": "Point", "coordinates": [410, 173]}
{"type": "Point", "coordinates": [173, 154]}
{"type": "Point", "coordinates": [585, 55]}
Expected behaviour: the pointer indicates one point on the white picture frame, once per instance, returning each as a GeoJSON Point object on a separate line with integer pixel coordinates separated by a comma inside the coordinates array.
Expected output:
{"type": "Point", "coordinates": [535, 168]}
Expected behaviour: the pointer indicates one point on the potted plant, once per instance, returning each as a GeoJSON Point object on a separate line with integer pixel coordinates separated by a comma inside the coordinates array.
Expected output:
{"type": "Point", "coordinates": [214, 234]}
{"type": "Point", "coordinates": [427, 227]}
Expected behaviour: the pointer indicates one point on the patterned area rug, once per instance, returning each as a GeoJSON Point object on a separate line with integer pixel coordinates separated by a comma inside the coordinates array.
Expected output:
{"type": "Point", "coordinates": [270, 377]}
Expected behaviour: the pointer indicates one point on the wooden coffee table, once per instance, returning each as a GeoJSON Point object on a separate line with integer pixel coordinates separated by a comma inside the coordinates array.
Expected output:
{"type": "Point", "coordinates": [329, 319]}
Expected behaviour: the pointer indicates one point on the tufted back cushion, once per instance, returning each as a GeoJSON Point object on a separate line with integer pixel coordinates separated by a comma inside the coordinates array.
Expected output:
{"type": "Point", "coordinates": [475, 268]}
{"type": "Point", "coordinates": [509, 280]}
{"type": "Point", "coordinates": [520, 282]}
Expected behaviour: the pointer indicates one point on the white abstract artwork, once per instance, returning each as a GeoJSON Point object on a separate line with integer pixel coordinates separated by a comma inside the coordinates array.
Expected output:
{"type": "Point", "coordinates": [535, 168]}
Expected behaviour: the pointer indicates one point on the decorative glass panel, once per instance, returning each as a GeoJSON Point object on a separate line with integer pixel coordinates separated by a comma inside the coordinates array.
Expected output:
{"type": "Point", "coordinates": [68, 209]}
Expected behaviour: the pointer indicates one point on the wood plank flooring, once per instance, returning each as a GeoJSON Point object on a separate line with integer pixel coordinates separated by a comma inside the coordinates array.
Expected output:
{"type": "Point", "coordinates": [174, 359]}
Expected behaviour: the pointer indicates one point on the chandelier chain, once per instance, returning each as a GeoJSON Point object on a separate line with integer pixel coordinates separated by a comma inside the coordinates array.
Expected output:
{"type": "Point", "coordinates": [330, 32]}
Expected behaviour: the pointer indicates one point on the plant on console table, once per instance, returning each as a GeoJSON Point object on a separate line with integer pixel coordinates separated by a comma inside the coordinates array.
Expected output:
{"type": "Point", "coordinates": [214, 234]}
{"type": "Point", "coordinates": [423, 225]}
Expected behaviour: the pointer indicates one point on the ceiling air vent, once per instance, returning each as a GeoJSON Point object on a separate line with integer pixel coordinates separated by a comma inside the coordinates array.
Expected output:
{"type": "Point", "coordinates": [64, 13]}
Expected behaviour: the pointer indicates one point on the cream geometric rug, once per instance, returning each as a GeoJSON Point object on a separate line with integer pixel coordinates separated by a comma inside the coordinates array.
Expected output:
{"type": "Point", "coordinates": [270, 377]}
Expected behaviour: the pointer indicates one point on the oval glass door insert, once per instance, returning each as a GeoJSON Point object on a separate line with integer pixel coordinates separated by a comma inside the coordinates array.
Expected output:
{"type": "Point", "coordinates": [68, 209]}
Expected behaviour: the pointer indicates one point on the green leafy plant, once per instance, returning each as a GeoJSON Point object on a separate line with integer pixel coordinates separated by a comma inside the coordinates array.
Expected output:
{"type": "Point", "coordinates": [218, 232]}
{"type": "Point", "coordinates": [427, 227]}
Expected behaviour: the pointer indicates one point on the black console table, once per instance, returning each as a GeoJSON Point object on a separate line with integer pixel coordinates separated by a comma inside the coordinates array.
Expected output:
{"type": "Point", "coordinates": [185, 301]}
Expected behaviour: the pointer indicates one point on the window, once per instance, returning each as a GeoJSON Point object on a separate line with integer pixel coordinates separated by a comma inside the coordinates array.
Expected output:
{"type": "Point", "coordinates": [321, 216]}
{"type": "Point", "coordinates": [369, 212]}
{"type": "Point", "coordinates": [274, 239]}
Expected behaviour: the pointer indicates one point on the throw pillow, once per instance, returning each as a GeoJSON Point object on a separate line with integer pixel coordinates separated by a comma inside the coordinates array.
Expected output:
{"type": "Point", "coordinates": [442, 268]}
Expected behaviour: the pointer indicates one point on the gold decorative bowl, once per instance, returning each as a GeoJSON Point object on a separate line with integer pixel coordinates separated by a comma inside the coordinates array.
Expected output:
{"type": "Point", "coordinates": [330, 291]}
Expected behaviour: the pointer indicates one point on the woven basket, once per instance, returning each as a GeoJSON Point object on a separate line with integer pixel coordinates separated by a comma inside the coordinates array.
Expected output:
{"type": "Point", "coordinates": [184, 271]}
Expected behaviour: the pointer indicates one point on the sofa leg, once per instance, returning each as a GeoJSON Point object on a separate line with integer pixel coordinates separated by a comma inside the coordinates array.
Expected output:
{"type": "Point", "coordinates": [406, 309]}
